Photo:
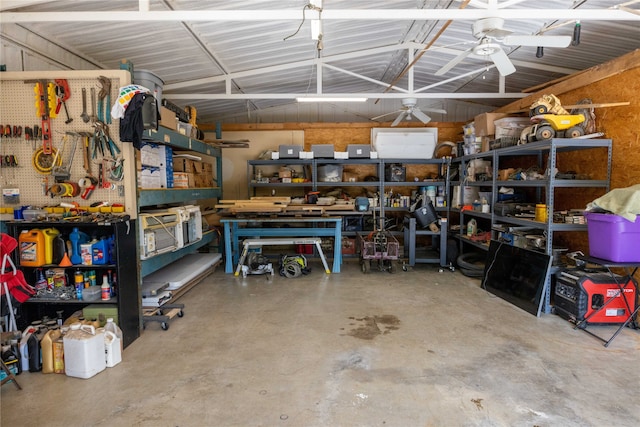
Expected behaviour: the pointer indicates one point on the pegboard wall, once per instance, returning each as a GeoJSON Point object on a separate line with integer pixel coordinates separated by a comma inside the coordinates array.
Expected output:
{"type": "Point", "coordinates": [22, 158]}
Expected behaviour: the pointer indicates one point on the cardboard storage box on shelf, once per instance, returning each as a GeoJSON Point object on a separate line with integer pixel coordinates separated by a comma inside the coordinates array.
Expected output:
{"type": "Point", "coordinates": [149, 178]}
{"type": "Point", "coordinates": [186, 165]}
{"type": "Point", "coordinates": [202, 180]}
{"type": "Point", "coordinates": [612, 237]}
{"type": "Point", "coordinates": [483, 123]}
{"type": "Point", "coordinates": [151, 155]}
{"type": "Point", "coordinates": [183, 180]}
{"type": "Point", "coordinates": [168, 118]}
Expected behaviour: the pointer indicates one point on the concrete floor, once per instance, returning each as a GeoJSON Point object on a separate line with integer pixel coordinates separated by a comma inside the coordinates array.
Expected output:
{"type": "Point", "coordinates": [417, 348]}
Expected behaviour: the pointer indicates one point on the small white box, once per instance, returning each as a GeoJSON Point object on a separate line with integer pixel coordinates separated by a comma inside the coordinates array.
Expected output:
{"type": "Point", "coordinates": [373, 155]}
{"type": "Point", "coordinates": [340, 155]}
{"type": "Point", "coordinates": [275, 155]}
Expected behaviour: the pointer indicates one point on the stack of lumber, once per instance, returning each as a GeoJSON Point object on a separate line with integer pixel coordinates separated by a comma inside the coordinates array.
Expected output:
{"type": "Point", "coordinates": [255, 204]}
{"type": "Point", "coordinates": [276, 205]}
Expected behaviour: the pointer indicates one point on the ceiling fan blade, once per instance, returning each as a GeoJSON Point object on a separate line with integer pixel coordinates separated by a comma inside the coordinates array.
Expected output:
{"type": "Point", "coordinates": [398, 119]}
{"type": "Point", "coordinates": [544, 41]}
{"type": "Point", "coordinates": [421, 116]}
{"type": "Point", "coordinates": [386, 114]}
{"type": "Point", "coordinates": [434, 110]}
{"type": "Point", "coordinates": [503, 63]}
{"type": "Point", "coordinates": [455, 61]}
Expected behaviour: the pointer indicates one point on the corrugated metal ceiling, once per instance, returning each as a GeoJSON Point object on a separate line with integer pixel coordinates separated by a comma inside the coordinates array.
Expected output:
{"type": "Point", "coordinates": [184, 52]}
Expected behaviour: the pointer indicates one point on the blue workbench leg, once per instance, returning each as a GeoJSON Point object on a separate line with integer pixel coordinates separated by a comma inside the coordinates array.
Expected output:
{"type": "Point", "coordinates": [337, 246]}
{"type": "Point", "coordinates": [228, 255]}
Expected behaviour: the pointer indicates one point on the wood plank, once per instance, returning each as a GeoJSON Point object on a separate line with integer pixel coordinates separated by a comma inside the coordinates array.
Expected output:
{"type": "Point", "coordinates": [275, 199]}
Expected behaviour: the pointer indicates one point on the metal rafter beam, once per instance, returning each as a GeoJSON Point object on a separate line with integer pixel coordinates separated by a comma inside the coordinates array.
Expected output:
{"type": "Point", "coordinates": [370, 95]}
{"type": "Point", "coordinates": [327, 15]}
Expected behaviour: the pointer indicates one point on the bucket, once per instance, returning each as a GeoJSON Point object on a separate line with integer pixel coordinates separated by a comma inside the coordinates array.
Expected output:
{"type": "Point", "coordinates": [151, 81]}
{"type": "Point", "coordinates": [83, 351]}
{"type": "Point", "coordinates": [32, 248]}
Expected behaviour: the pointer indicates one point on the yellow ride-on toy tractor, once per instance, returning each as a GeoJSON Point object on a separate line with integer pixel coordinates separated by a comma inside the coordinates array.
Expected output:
{"type": "Point", "coordinates": [556, 125]}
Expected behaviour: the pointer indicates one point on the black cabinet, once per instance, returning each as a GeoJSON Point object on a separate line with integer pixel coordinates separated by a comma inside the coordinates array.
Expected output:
{"type": "Point", "coordinates": [123, 264]}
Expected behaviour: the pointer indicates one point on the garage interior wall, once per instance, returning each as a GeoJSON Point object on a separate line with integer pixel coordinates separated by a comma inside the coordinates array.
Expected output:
{"type": "Point", "coordinates": [614, 81]}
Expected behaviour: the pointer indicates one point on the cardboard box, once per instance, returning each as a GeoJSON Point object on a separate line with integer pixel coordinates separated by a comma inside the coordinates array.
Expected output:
{"type": "Point", "coordinates": [202, 180]}
{"type": "Point", "coordinates": [483, 123]}
{"type": "Point", "coordinates": [151, 155]}
{"type": "Point", "coordinates": [150, 178]}
{"type": "Point", "coordinates": [183, 180]}
{"type": "Point", "coordinates": [168, 118]}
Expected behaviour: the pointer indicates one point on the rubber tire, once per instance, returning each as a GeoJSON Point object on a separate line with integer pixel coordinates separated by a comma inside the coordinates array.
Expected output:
{"type": "Point", "coordinates": [164, 326]}
{"type": "Point", "coordinates": [540, 109]}
{"type": "Point", "coordinates": [574, 132]}
{"type": "Point", "coordinates": [545, 132]}
{"type": "Point", "coordinates": [468, 261]}
{"type": "Point", "coordinates": [181, 313]}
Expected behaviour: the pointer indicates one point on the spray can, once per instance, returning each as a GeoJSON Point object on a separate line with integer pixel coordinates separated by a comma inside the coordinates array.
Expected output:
{"type": "Point", "coordinates": [79, 284]}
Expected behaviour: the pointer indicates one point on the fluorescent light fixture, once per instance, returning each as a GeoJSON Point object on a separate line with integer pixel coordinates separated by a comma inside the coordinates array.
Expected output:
{"type": "Point", "coordinates": [329, 99]}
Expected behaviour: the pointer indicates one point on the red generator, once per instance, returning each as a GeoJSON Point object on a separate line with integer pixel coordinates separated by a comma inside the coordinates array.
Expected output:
{"type": "Point", "coordinates": [580, 294]}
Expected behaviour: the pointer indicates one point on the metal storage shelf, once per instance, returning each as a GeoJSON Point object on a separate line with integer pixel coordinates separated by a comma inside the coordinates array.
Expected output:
{"type": "Point", "coordinates": [376, 164]}
{"type": "Point", "coordinates": [155, 263]}
{"type": "Point", "coordinates": [127, 298]}
{"type": "Point", "coordinates": [152, 197]}
{"type": "Point", "coordinates": [549, 148]}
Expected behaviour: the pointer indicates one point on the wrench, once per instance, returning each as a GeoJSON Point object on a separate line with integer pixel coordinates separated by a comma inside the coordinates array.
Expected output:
{"type": "Point", "coordinates": [84, 115]}
{"type": "Point", "coordinates": [94, 118]}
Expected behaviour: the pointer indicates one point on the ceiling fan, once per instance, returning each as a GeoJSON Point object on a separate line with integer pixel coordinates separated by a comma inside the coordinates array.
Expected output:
{"type": "Point", "coordinates": [409, 108]}
{"type": "Point", "coordinates": [490, 33]}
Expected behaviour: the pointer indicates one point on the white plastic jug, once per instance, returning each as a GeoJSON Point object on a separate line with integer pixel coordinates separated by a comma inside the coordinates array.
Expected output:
{"type": "Point", "coordinates": [84, 351]}
{"type": "Point", "coordinates": [112, 349]}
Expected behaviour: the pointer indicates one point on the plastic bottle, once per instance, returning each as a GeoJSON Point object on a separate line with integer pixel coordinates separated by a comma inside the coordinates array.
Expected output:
{"type": "Point", "coordinates": [77, 238]}
{"type": "Point", "coordinates": [105, 289]}
{"type": "Point", "coordinates": [485, 206]}
{"type": "Point", "coordinates": [46, 346]}
{"type": "Point", "coordinates": [472, 228]}
{"type": "Point", "coordinates": [32, 248]}
{"type": "Point", "coordinates": [113, 343]}
{"type": "Point", "coordinates": [15, 348]}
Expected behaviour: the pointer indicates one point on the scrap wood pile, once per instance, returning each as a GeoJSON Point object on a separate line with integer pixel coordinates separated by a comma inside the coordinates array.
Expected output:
{"type": "Point", "coordinates": [277, 205]}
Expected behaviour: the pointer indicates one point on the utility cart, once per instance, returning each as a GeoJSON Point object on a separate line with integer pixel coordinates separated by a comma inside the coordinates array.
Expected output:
{"type": "Point", "coordinates": [380, 248]}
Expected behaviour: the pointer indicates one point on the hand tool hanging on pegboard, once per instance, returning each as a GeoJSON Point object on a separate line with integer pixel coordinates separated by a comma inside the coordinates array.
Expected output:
{"type": "Point", "coordinates": [63, 93]}
{"type": "Point", "coordinates": [42, 95]}
{"type": "Point", "coordinates": [104, 95]}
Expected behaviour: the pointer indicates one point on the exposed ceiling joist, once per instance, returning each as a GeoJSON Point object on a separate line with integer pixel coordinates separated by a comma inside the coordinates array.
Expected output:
{"type": "Point", "coordinates": [619, 14]}
{"type": "Point", "coordinates": [442, 95]}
